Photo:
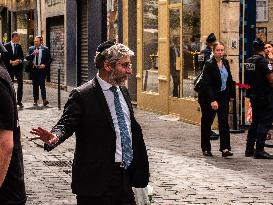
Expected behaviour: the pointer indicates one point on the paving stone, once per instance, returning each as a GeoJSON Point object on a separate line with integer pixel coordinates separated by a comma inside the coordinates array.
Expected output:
{"type": "Point", "coordinates": [180, 174]}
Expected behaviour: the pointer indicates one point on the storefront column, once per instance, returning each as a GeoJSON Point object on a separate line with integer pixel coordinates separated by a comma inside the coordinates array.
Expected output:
{"type": "Point", "coordinates": [71, 45]}
{"type": "Point", "coordinates": [210, 18]}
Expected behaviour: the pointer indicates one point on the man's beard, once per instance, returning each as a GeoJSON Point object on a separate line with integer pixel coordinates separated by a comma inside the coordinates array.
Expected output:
{"type": "Point", "coordinates": [117, 79]}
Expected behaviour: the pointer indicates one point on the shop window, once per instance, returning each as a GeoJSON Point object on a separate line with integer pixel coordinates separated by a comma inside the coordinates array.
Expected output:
{"type": "Point", "coordinates": [112, 20]}
{"type": "Point", "coordinates": [190, 45]}
{"type": "Point", "coordinates": [175, 54]}
{"type": "Point", "coordinates": [150, 45]}
{"type": "Point", "coordinates": [262, 10]}
{"type": "Point", "coordinates": [184, 30]}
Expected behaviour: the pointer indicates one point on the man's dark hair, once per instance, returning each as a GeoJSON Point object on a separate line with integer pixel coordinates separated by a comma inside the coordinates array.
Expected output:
{"type": "Point", "coordinates": [269, 42]}
{"type": "Point", "coordinates": [211, 38]}
{"type": "Point", "coordinates": [258, 45]}
{"type": "Point", "coordinates": [14, 34]}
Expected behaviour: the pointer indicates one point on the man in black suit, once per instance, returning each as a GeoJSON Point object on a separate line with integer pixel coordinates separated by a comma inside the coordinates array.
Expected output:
{"type": "Point", "coordinates": [39, 57]}
{"type": "Point", "coordinates": [174, 56]}
{"type": "Point", "coordinates": [110, 155]}
{"type": "Point", "coordinates": [13, 60]}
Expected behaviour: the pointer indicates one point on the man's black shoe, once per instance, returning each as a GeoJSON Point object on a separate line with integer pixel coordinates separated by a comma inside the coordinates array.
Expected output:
{"type": "Point", "coordinates": [20, 104]}
{"type": "Point", "coordinates": [249, 153]}
{"type": "Point", "coordinates": [207, 153]}
{"type": "Point", "coordinates": [45, 102]}
{"type": "Point", "coordinates": [214, 136]}
{"type": "Point", "coordinates": [226, 153]}
{"type": "Point", "coordinates": [268, 143]}
{"type": "Point", "coordinates": [263, 155]}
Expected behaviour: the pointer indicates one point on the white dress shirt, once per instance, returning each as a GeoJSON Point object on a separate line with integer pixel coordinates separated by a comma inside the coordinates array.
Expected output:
{"type": "Point", "coordinates": [109, 96]}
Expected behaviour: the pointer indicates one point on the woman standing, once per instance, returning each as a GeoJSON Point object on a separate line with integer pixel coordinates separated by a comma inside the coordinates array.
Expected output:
{"type": "Point", "coordinates": [216, 91]}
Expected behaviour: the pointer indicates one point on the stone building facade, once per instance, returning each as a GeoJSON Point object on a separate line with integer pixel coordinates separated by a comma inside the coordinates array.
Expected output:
{"type": "Point", "coordinates": [53, 32]}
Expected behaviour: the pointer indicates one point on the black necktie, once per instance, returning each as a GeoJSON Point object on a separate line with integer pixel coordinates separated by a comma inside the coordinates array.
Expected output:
{"type": "Point", "coordinates": [15, 49]}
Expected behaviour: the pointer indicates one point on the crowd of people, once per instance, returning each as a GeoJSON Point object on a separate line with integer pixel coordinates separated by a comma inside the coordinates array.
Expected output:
{"type": "Point", "coordinates": [217, 88]}
{"type": "Point", "coordinates": [110, 155]}
{"type": "Point", "coordinates": [37, 60]}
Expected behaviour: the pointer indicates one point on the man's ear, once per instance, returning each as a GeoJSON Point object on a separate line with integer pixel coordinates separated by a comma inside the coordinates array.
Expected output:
{"type": "Point", "coordinates": [106, 66]}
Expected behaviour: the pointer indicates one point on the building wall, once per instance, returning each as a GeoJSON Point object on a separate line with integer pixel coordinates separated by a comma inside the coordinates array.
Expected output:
{"type": "Point", "coordinates": [210, 18]}
{"type": "Point", "coordinates": [268, 24]}
{"type": "Point", "coordinates": [70, 38]}
{"type": "Point", "coordinates": [48, 9]}
{"type": "Point", "coordinates": [22, 29]}
{"type": "Point", "coordinates": [229, 33]}
{"type": "Point", "coordinates": [52, 30]}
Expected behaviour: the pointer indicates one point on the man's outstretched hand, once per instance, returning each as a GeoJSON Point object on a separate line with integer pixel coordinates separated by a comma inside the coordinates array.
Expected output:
{"type": "Point", "coordinates": [44, 135]}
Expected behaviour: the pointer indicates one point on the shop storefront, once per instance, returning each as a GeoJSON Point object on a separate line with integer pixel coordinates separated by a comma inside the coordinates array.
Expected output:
{"type": "Point", "coordinates": [168, 43]}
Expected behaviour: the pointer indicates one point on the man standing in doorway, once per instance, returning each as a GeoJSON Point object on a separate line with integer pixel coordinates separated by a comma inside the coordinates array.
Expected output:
{"type": "Point", "coordinates": [13, 60]}
{"type": "Point", "coordinates": [110, 155]}
{"type": "Point", "coordinates": [39, 57]}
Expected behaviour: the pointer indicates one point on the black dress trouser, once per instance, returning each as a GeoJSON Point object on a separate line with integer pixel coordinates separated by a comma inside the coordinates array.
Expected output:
{"type": "Point", "coordinates": [38, 80]}
{"type": "Point", "coordinates": [262, 119]}
{"type": "Point", "coordinates": [208, 115]}
{"type": "Point", "coordinates": [119, 192]}
{"type": "Point", "coordinates": [18, 74]}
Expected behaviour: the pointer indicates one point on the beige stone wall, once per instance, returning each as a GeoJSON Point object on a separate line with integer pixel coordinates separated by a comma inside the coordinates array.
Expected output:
{"type": "Point", "coordinates": [229, 33]}
{"type": "Point", "coordinates": [210, 19]}
{"type": "Point", "coordinates": [269, 23]}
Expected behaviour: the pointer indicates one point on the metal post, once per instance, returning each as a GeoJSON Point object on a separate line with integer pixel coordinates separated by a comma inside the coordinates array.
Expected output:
{"type": "Point", "coordinates": [234, 118]}
{"type": "Point", "coordinates": [59, 87]}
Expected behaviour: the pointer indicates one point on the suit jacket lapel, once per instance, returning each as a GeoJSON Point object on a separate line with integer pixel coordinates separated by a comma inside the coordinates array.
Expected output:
{"type": "Point", "coordinates": [102, 102]}
{"type": "Point", "coordinates": [127, 99]}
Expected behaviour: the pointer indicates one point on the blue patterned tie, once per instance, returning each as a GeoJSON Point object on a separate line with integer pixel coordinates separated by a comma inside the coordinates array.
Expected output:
{"type": "Point", "coordinates": [127, 151]}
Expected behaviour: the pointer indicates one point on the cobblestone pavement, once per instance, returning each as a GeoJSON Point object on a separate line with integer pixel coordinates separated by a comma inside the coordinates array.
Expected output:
{"type": "Point", "coordinates": [179, 172]}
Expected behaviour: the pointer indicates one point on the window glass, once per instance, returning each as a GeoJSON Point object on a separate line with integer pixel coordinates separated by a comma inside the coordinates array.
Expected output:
{"type": "Point", "coordinates": [190, 44]}
{"type": "Point", "coordinates": [150, 45]}
{"type": "Point", "coordinates": [112, 20]}
{"type": "Point", "coordinates": [175, 56]}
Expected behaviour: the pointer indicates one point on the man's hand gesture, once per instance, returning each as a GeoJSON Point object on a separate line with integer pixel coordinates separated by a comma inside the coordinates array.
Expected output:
{"type": "Point", "coordinates": [44, 135]}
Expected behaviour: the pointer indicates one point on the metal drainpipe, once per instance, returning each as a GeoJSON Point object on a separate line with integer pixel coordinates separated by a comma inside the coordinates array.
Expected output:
{"type": "Point", "coordinates": [39, 17]}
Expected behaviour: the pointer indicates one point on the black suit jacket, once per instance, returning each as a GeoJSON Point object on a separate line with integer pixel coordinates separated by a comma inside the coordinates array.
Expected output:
{"type": "Point", "coordinates": [173, 56]}
{"type": "Point", "coordinates": [46, 59]}
{"type": "Point", "coordinates": [211, 81]}
{"type": "Point", "coordinates": [87, 114]}
{"type": "Point", "coordinates": [10, 56]}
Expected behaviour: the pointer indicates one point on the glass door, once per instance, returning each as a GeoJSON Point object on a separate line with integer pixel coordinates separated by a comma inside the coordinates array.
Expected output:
{"type": "Point", "coordinates": [184, 40]}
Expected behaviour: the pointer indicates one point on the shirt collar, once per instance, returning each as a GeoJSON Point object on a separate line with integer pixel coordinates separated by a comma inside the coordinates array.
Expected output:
{"type": "Point", "coordinates": [103, 84]}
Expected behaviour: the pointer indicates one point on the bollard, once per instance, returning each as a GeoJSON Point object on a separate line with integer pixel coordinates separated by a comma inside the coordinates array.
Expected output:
{"type": "Point", "coordinates": [235, 129]}
{"type": "Point", "coordinates": [59, 87]}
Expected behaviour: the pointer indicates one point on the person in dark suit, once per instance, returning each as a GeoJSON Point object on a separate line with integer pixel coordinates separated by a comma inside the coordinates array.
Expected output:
{"type": "Point", "coordinates": [216, 91]}
{"type": "Point", "coordinates": [110, 155]}
{"type": "Point", "coordinates": [39, 58]}
{"type": "Point", "coordinates": [174, 56]}
{"type": "Point", "coordinates": [205, 55]}
{"type": "Point", "coordinates": [12, 186]}
{"type": "Point", "coordinates": [13, 60]}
